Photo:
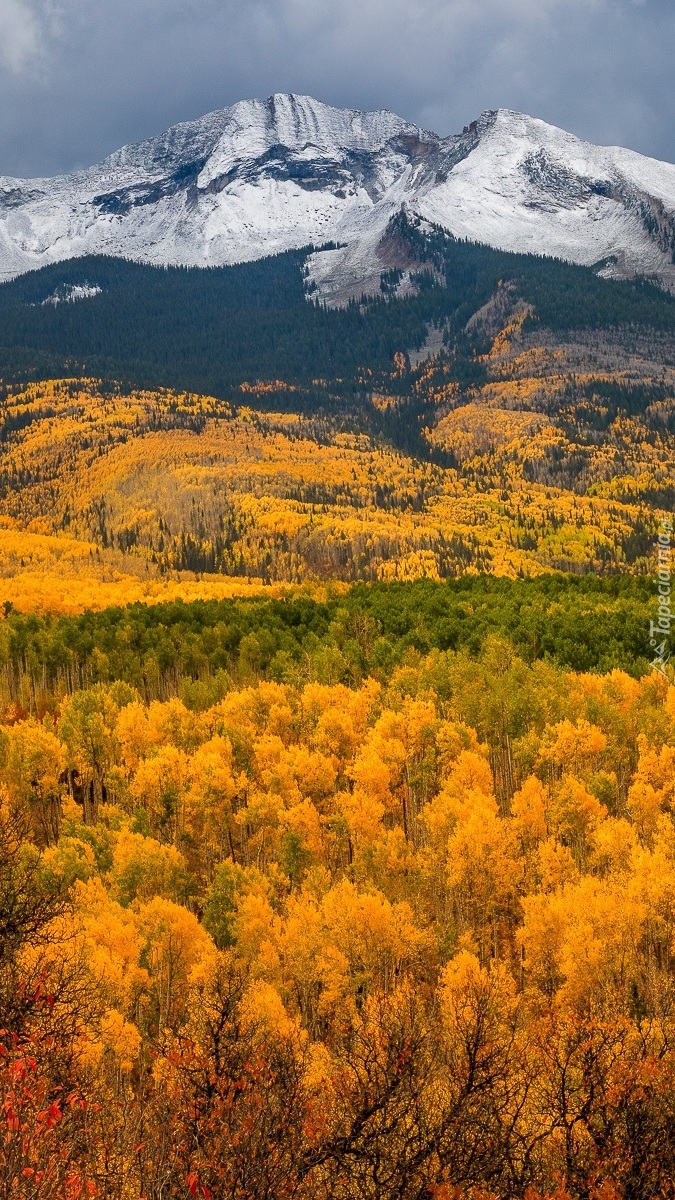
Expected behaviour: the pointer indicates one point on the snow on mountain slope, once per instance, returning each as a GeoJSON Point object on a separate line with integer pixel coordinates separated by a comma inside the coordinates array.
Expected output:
{"type": "Point", "coordinates": [531, 187]}
{"type": "Point", "coordinates": [266, 176]}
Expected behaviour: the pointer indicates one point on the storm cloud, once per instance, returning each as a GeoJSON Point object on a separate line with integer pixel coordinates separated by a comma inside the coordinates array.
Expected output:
{"type": "Point", "coordinates": [79, 78]}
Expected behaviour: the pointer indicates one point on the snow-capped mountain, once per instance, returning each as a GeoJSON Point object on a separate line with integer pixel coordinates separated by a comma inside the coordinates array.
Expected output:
{"type": "Point", "coordinates": [266, 176]}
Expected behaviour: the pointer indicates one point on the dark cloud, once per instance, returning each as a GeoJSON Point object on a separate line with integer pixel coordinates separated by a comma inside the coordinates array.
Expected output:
{"type": "Point", "coordinates": [78, 78]}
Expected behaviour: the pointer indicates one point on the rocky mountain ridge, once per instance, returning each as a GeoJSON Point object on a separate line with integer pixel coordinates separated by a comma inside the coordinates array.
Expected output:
{"type": "Point", "coordinates": [262, 177]}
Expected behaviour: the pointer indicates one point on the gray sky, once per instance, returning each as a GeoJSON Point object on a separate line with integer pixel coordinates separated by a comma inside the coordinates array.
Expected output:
{"type": "Point", "coordinates": [79, 78]}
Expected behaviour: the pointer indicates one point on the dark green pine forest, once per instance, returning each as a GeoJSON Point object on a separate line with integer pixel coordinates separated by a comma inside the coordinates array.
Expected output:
{"type": "Point", "coordinates": [209, 330]}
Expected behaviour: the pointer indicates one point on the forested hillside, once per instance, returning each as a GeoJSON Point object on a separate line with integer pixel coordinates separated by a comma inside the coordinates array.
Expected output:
{"type": "Point", "coordinates": [208, 330]}
{"type": "Point", "coordinates": [487, 412]}
{"type": "Point", "coordinates": [558, 455]}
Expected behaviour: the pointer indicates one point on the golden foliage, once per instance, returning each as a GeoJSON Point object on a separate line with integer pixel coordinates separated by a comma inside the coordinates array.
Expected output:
{"type": "Point", "coordinates": [113, 498]}
{"type": "Point", "coordinates": [331, 886]}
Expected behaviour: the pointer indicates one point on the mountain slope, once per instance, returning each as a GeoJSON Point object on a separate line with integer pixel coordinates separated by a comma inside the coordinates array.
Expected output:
{"type": "Point", "coordinates": [262, 177]}
{"type": "Point", "coordinates": [209, 331]}
{"type": "Point", "coordinates": [542, 438]}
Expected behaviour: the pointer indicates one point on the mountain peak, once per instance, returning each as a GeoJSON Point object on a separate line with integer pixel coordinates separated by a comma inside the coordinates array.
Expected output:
{"type": "Point", "coordinates": [263, 176]}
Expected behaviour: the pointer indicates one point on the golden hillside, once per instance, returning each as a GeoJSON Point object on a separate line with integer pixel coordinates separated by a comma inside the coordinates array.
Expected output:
{"type": "Point", "coordinates": [541, 466]}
